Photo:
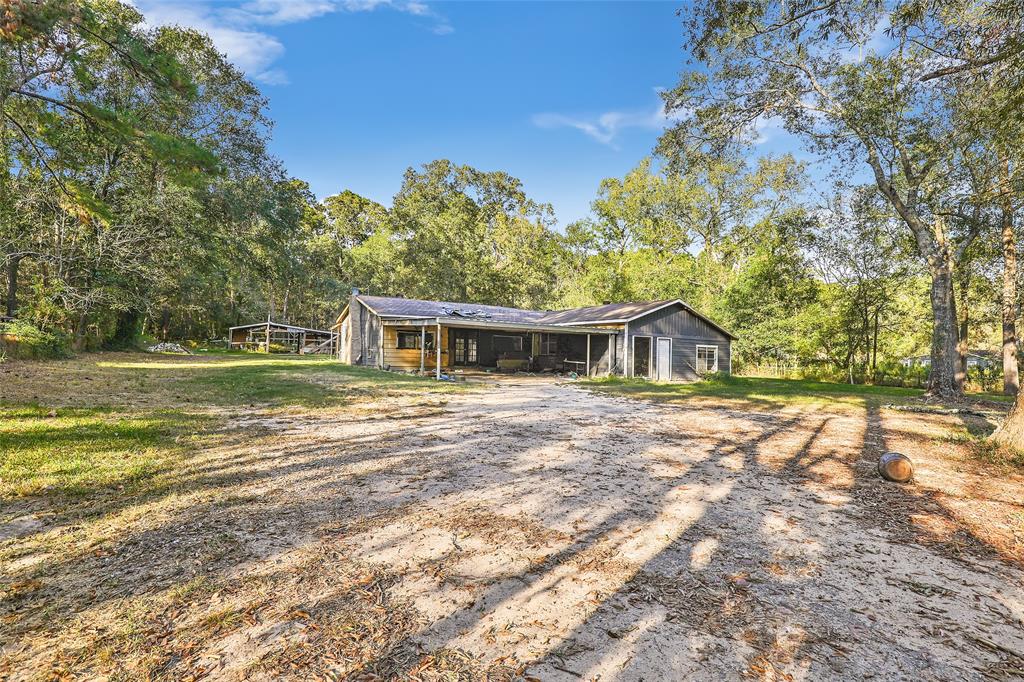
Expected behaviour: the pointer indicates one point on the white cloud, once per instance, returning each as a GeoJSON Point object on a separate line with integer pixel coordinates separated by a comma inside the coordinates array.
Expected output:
{"type": "Point", "coordinates": [606, 127]}
{"type": "Point", "coordinates": [284, 11]}
{"type": "Point", "coordinates": [237, 30]}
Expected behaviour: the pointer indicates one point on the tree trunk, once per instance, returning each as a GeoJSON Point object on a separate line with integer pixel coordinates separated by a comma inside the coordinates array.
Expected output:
{"type": "Point", "coordinates": [963, 326]}
{"type": "Point", "coordinates": [874, 350]}
{"type": "Point", "coordinates": [942, 378]}
{"type": "Point", "coordinates": [80, 329]}
{"type": "Point", "coordinates": [1011, 377]}
{"type": "Point", "coordinates": [12, 285]}
{"type": "Point", "coordinates": [1012, 430]}
{"type": "Point", "coordinates": [165, 322]}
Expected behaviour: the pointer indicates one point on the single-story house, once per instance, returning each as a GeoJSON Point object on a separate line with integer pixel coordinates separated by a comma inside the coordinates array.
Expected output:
{"type": "Point", "coordinates": [662, 340]}
{"type": "Point", "coordinates": [983, 359]}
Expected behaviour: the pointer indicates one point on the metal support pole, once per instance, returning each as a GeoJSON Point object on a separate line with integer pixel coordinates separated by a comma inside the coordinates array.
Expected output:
{"type": "Point", "coordinates": [423, 346]}
{"type": "Point", "coordinates": [625, 352]}
{"type": "Point", "coordinates": [437, 349]}
{"type": "Point", "coordinates": [611, 354]}
{"type": "Point", "coordinates": [588, 355]}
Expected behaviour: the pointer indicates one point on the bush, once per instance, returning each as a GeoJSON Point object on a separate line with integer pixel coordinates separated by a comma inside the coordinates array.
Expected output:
{"type": "Point", "coordinates": [20, 340]}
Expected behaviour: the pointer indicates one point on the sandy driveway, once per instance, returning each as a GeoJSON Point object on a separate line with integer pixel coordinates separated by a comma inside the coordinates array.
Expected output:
{"type": "Point", "coordinates": [543, 531]}
{"type": "Point", "coordinates": [607, 538]}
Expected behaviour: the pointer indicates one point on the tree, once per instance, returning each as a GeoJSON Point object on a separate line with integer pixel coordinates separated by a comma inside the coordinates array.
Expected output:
{"type": "Point", "coordinates": [470, 235]}
{"type": "Point", "coordinates": [811, 67]}
{"type": "Point", "coordinates": [860, 252]}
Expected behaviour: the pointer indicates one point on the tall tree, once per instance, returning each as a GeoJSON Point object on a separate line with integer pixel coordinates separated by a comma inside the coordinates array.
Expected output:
{"type": "Point", "coordinates": [472, 235]}
{"type": "Point", "coordinates": [833, 77]}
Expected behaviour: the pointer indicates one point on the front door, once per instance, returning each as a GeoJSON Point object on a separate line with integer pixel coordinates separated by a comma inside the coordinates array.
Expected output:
{"type": "Point", "coordinates": [465, 341]}
{"type": "Point", "coordinates": [663, 360]}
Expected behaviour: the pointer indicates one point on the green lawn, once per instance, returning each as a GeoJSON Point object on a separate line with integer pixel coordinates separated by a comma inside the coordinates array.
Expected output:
{"type": "Point", "coordinates": [120, 422]}
{"type": "Point", "coordinates": [765, 393]}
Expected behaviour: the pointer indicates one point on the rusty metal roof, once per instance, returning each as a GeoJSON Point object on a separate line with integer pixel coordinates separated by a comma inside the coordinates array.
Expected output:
{"type": "Point", "coordinates": [410, 307]}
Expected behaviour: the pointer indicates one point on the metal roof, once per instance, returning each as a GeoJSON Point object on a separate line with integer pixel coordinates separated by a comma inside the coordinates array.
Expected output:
{"type": "Point", "coordinates": [281, 325]}
{"type": "Point", "coordinates": [386, 306]}
{"type": "Point", "coordinates": [464, 323]}
{"type": "Point", "coordinates": [611, 313]}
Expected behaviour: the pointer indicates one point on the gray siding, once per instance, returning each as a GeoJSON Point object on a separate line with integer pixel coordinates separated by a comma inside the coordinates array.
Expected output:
{"type": "Point", "coordinates": [687, 331]}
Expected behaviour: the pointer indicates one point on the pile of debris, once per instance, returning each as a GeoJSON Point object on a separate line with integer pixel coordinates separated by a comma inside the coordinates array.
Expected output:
{"type": "Point", "coordinates": [169, 348]}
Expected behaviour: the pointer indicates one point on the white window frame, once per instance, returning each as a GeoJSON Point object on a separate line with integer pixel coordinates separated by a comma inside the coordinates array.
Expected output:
{"type": "Point", "coordinates": [696, 358]}
{"type": "Point", "coordinates": [650, 355]}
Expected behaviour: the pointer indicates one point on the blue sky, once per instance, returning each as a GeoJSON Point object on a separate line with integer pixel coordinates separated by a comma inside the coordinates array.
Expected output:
{"type": "Point", "coordinates": [559, 95]}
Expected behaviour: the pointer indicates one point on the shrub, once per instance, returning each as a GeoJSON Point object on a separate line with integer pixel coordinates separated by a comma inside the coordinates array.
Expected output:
{"type": "Point", "coordinates": [21, 340]}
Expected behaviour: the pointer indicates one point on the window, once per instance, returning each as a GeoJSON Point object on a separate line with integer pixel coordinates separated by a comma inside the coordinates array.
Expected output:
{"type": "Point", "coordinates": [411, 340]}
{"type": "Point", "coordinates": [707, 359]}
{"type": "Point", "coordinates": [507, 344]}
{"type": "Point", "coordinates": [548, 344]}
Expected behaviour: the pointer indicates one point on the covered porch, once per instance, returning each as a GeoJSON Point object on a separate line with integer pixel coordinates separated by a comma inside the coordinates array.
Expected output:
{"type": "Point", "coordinates": [411, 344]}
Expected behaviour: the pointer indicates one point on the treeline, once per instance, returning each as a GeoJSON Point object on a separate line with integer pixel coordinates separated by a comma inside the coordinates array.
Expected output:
{"type": "Point", "coordinates": [139, 196]}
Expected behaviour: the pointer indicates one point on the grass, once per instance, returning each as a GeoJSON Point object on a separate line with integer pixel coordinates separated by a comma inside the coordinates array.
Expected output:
{"type": "Point", "coordinates": [77, 450]}
{"type": "Point", "coordinates": [114, 421]}
{"type": "Point", "coordinates": [757, 392]}
{"type": "Point", "coordinates": [246, 379]}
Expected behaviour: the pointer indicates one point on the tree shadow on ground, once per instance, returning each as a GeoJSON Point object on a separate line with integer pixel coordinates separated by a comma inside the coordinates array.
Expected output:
{"type": "Point", "coordinates": [648, 529]}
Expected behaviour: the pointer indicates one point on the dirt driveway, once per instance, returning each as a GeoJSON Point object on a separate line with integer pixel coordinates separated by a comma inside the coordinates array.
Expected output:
{"type": "Point", "coordinates": [540, 530]}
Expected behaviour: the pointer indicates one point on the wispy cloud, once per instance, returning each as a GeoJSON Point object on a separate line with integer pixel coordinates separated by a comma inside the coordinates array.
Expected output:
{"type": "Point", "coordinates": [240, 30]}
{"type": "Point", "coordinates": [606, 127]}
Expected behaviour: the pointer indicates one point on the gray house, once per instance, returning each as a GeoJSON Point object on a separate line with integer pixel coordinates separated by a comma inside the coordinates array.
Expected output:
{"type": "Point", "coordinates": [660, 340]}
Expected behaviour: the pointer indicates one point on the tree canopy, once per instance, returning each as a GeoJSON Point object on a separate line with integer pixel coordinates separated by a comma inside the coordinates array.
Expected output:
{"type": "Point", "coordinates": [139, 195]}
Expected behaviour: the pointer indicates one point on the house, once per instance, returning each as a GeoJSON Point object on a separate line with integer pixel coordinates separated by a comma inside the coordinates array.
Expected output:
{"type": "Point", "coordinates": [982, 359]}
{"type": "Point", "coordinates": [663, 340]}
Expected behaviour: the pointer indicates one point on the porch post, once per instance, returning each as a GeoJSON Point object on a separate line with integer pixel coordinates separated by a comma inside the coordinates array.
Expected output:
{"type": "Point", "coordinates": [437, 349]}
{"type": "Point", "coordinates": [625, 352]}
{"type": "Point", "coordinates": [588, 355]}
{"type": "Point", "coordinates": [423, 346]}
{"type": "Point", "coordinates": [611, 354]}
{"type": "Point", "coordinates": [268, 338]}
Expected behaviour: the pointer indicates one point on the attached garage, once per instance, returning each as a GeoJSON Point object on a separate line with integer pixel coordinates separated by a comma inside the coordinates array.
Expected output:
{"type": "Point", "coordinates": [674, 343]}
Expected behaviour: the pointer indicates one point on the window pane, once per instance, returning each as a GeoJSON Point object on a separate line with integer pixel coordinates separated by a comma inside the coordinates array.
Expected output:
{"type": "Point", "coordinates": [707, 358]}
{"type": "Point", "coordinates": [507, 344]}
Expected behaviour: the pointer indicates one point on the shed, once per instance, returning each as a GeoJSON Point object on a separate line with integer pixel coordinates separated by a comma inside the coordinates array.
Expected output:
{"type": "Point", "coordinates": [268, 336]}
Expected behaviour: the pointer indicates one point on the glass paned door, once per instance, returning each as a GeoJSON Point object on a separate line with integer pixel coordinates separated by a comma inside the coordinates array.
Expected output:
{"type": "Point", "coordinates": [465, 348]}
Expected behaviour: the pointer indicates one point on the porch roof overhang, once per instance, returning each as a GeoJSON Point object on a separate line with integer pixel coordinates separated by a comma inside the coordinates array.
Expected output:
{"type": "Point", "coordinates": [463, 323]}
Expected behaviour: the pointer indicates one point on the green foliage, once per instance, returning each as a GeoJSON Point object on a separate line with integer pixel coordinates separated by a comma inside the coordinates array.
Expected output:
{"type": "Point", "coordinates": [23, 341]}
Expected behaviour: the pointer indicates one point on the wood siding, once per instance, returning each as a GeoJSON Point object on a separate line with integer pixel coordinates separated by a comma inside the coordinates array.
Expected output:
{"type": "Point", "coordinates": [687, 331]}
{"type": "Point", "coordinates": [408, 359]}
